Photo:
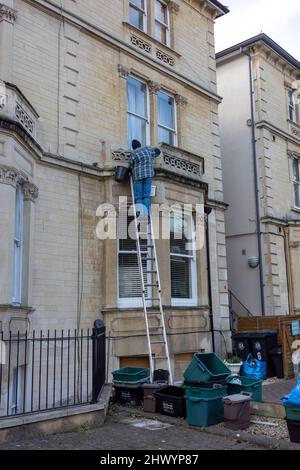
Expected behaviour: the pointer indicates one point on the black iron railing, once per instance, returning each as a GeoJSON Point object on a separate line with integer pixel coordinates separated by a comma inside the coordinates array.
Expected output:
{"type": "Point", "coordinates": [51, 370]}
{"type": "Point", "coordinates": [237, 310]}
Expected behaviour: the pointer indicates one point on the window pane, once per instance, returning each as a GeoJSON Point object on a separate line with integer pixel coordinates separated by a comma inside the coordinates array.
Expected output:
{"type": "Point", "coordinates": [139, 3]}
{"type": "Point", "coordinates": [165, 136]}
{"type": "Point", "coordinates": [180, 236]}
{"type": "Point", "coordinates": [296, 170]}
{"type": "Point", "coordinates": [136, 97]}
{"type": "Point", "coordinates": [160, 33]}
{"type": "Point", "coordinates": [180, 278]}
{"type": "Point", "coordinates": [297, 194]}
{"type": "Point", "coordinates": [166, 110]}
{"type": "Point", "coordinates": [161, 12]}
{"type": "Point", "coordinates": [136, 18]}
{"type": "Point", "coordinates": [129, 276]}
{"type": "Point", "coordinates": [136, 130]}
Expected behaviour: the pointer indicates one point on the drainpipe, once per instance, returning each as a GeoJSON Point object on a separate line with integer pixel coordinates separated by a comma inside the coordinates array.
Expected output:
{"type": "Point", "coordinates": [207, 211]}
{"type": "Point", "coordinates": [256, 185]}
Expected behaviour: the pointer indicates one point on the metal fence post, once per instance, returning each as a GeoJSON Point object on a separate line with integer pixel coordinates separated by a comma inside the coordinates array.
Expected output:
{"type": "Point", "coordinates": [98, 359]}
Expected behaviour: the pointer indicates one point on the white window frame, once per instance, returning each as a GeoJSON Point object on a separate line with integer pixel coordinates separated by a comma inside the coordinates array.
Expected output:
{"type": "Point", "coordinates": [18, 247]}
{"type": "Point", "coordinates": [144, 118]}
{"type": "Point", "coordinates": [140, 10]}
{"type": "Point", "coordinates": [292, 106]}
{"type": "Point", "coordinates": [165, 25]}
{"type": "Point", "coordinates": [295, 181]}
{"type": "Point", "coordinates": [192, 301]}
{"type": "Point", "coordinates": [175, 130]}
{"type": "Point", "coordinates": [131, 302]}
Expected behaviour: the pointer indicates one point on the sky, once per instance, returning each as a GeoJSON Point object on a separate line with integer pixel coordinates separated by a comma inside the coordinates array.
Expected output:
{"type": "Point", "coordinates": [280, 19]}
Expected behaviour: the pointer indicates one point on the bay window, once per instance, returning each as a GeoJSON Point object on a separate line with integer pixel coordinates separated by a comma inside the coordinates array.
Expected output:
{"type": "Point", "coordinates": [166, 119]}
{"type": "Point", "coordinates": [138, 14]}
{"type": "Point", "coordinates": [183, 260]}
{"type": "Point", "coordinates": [162, 22]}
{"type": "Point", "coordinates": [137, 111]}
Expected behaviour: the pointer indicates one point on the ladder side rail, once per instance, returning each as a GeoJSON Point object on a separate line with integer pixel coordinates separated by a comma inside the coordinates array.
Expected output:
{"type": "Point", "coordinates": [142, 281]}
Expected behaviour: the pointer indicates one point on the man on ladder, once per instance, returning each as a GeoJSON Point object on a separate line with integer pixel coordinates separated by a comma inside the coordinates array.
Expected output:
{"type": "Point", "coordinates": [141, 165]}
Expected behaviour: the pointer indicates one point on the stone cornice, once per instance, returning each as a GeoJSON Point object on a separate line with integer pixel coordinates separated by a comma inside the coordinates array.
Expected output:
{"type": "Point", "coordinates": [7, 13]}
{"type": "Point", "coordinates": [278, 131]}
{"type": "Point", "coordinates": [124, 46]}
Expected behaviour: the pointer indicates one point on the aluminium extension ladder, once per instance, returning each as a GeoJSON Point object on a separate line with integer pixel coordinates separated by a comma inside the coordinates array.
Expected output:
{"type": "Point", "coordinates": [156, 334]}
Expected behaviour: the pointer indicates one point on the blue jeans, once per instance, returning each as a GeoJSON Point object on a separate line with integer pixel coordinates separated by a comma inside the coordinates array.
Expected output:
{"type": "Point", "coordinates": [142, 192]}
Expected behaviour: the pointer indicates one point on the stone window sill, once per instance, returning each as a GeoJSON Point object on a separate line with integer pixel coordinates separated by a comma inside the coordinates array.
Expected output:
{"type": "Point", "coordinates": [148, 37]}
{"type": "Point", "coordinates": [16, 309]}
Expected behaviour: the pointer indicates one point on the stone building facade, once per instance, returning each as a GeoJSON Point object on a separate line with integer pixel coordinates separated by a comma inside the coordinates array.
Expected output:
{"type": "Point", "coordinates": [75, 76]}
{"type": "Point", "coordinates": [261, 156]}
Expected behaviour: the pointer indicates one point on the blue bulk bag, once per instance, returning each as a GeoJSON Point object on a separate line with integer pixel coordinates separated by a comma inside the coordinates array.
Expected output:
{"type": "Point", "coordinates": [293, 398]}
{"type": "Point", "coordinates": [254, 369]}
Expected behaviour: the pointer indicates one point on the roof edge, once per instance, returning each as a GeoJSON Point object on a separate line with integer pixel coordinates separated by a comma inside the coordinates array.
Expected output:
{"type": "Point", "coordinates": [262, 37]}
{"type": "Point", "coordinates": [219, 6]}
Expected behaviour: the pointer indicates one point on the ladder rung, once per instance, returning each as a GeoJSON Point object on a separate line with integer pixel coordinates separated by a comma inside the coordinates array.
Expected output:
{"type": "Point", "coordinates": [160, 357]}
{"type": "Point", "coordinates": [158, 342]}
{"type": "Point", "coordinates": [153, 314]}
{"type": "Point", "coordinates": [153, 271]}
{"type": "Point", "coordinates": [155, 327]}
{"type": "Point", "coordinates": [147, 285]}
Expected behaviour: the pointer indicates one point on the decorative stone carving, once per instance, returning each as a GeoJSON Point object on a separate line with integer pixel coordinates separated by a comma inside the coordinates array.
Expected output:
{"type": "Point", "coordinates": [123, 71]}
{"type": "Point", "coordinates": [121, 155]}
{"type": "Point", "coordinates": [24, 118]}
{"type": "Point", "coordinates": [183, 165]}
{"type": "Point", "coordinates": [295, 131]}
{"type": "Point", "coordinates": [181, 100]}
{"type": "Point", "coordinates": [7, 13]}
{"type": "Point", "coordinates": [173, 7]}
{"type": "Point", "coordinates": [167, 59]}
{"type": "Point", "coordinates": [138, 42]}
{"type": "Point", "coordinates": [2, 101]}
{"type": "Point", "coordinates": [13, 177]}
{"type": "Point", "coordinates": [174, 160]}
{"type": "Point", "coordinates": [153, 87]}
{"type": "Point", "coordinates": [30, 191]}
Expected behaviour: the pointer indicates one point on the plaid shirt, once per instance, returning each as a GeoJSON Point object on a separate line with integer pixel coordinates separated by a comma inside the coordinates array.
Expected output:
{"type": "Point", "coordinates": [141, 162]}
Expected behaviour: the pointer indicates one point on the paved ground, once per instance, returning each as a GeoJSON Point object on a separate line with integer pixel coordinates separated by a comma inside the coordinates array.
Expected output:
{"type": "Point", "coordinates": [118, 434]}
{"type": "Point", "coordinates": [274, 389]}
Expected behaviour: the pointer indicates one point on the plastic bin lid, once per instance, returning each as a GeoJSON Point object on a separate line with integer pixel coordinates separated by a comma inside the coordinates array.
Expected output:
{"type": "Point", "coordinates": [238, 398]}
{"type": "Point", "coordinates": [255, 334]}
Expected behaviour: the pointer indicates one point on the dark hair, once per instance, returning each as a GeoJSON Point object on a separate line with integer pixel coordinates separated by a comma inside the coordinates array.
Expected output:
{"type": "Point", "coordinates": [136, 144]}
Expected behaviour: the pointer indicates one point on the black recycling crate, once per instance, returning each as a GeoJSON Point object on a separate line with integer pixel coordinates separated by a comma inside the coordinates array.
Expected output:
{"type": "Point", "coordinates": [124, 395]}
{"type": "Point", "coordinates": [170, 401]}
{"type": "Point", "coordinates": [294, 430]}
